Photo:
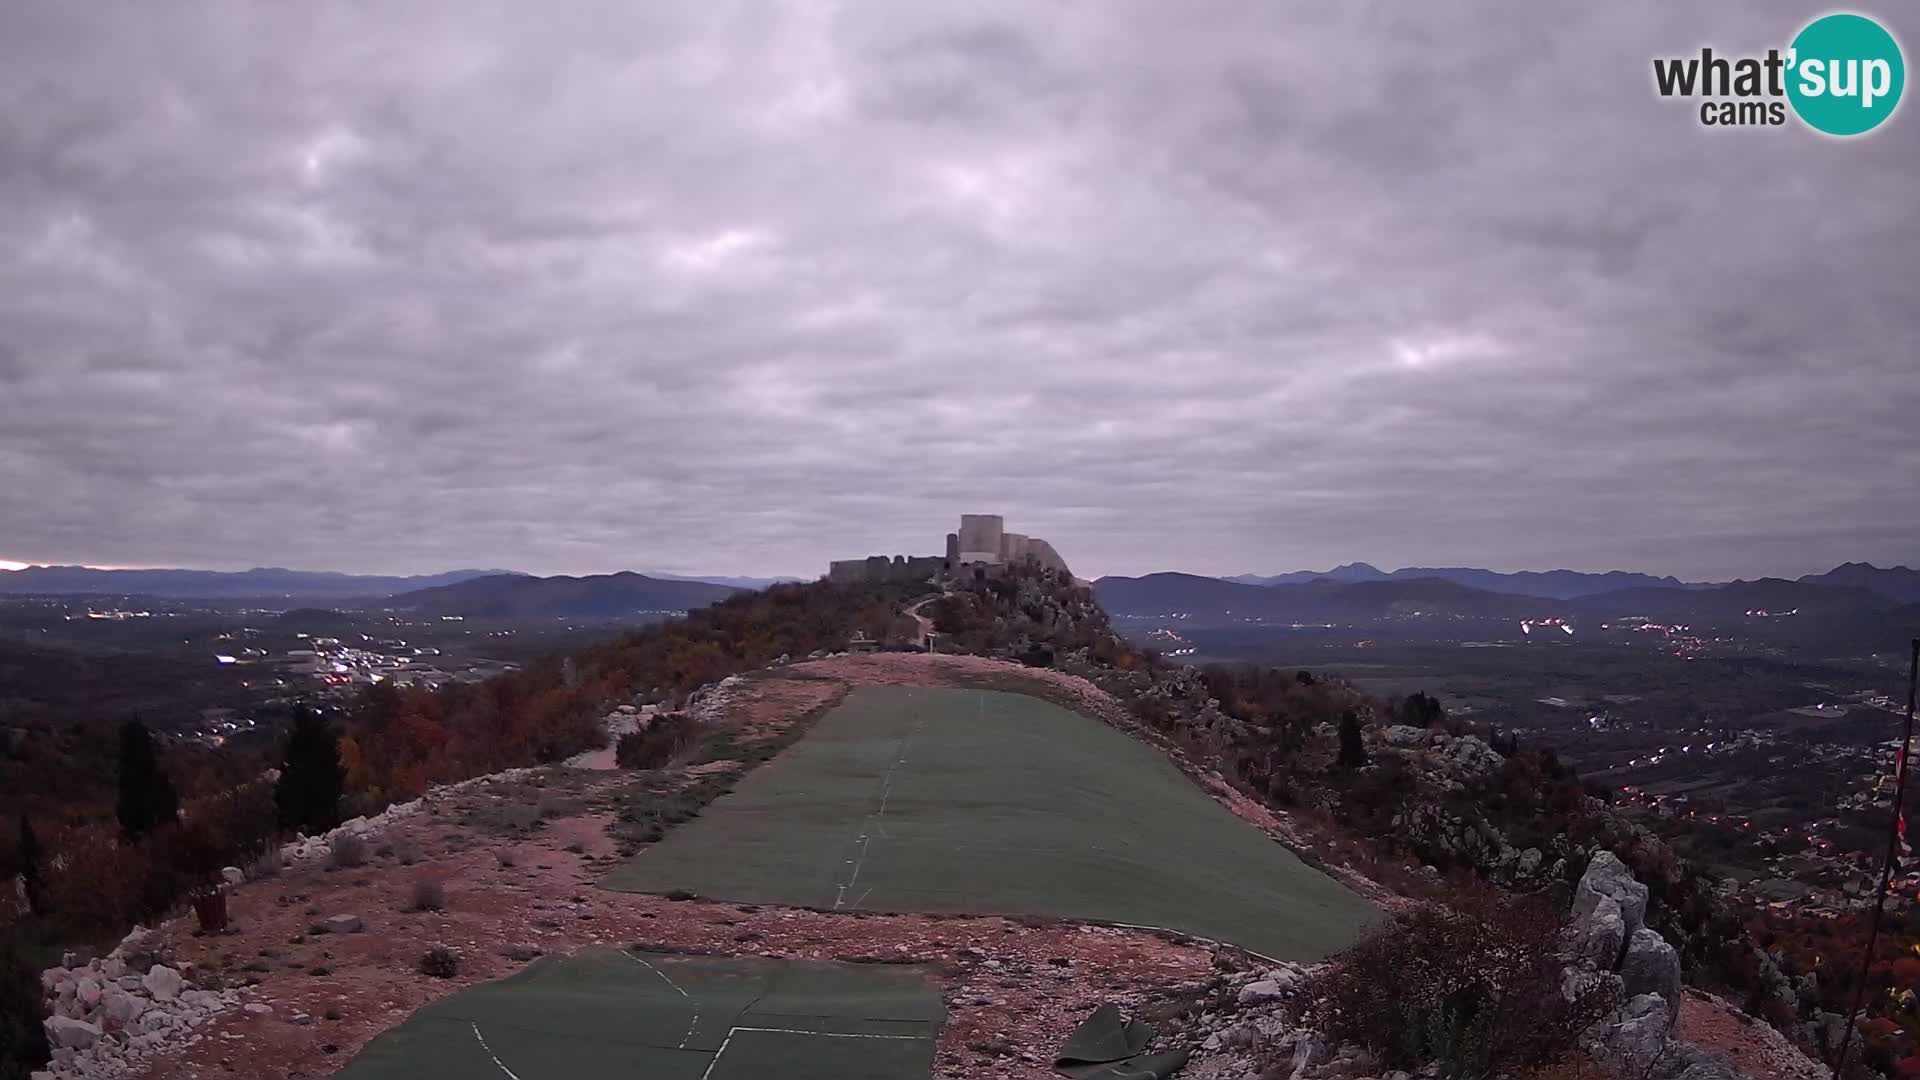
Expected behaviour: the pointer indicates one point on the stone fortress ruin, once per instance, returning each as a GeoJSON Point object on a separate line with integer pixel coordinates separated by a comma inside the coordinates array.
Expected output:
{"type": "Point", "coordinates": [983, 545]}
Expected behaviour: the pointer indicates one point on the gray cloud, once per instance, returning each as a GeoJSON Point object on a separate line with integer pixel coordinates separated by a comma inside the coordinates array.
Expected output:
{"type": "Point", "coordinates": [740, 288]}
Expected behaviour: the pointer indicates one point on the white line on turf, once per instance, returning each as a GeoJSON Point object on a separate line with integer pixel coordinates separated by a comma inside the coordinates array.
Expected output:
{"type": "Point", "coordinates": [489, 1050]}
{"type": "Point", "coordinates": [688, 1037]}
{"type": "Point", "coordinates": [731, 1032]}
{"type": "Point", "coordinates": [877, 820]}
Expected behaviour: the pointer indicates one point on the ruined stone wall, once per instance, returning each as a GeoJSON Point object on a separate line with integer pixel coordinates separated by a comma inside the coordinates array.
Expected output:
{"type": "Point", "coordinates": [883, 568]}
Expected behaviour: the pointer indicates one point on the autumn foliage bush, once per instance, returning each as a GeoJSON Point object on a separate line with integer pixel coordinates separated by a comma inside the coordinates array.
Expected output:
{"type": "Point", "coordinates": [1473, 984]}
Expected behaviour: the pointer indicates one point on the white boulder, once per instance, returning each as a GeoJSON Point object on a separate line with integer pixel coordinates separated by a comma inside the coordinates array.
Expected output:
{"type": "Point", "coordinates": [162, 982]}
{"type": "Point", "coordinates": [71, 1034]}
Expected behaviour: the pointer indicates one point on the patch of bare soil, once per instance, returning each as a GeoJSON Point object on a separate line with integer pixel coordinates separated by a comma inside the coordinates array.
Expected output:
{"type": "Point", "coordinates": [1760, 1051]}
{"type": "Point", "coordinates": [764, 708]}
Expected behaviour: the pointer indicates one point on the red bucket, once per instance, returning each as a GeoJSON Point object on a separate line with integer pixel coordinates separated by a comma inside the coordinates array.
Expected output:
{"type": "Point", "coordinates": [211, 909]}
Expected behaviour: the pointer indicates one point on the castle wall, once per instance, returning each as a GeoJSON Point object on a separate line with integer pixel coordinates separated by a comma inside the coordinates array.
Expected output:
{"type": "Point", "coordinates": [980, 537]}
{"type": "Point", "coordinates": [981, 541]}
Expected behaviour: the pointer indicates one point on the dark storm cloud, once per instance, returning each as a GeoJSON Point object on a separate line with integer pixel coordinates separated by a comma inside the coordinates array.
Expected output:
{"type": "Point", "coordinates": [741, 288]}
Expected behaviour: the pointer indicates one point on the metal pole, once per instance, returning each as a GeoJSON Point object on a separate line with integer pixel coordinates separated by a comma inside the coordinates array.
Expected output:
{"type": "Point", "coordinates": [1886, 874]}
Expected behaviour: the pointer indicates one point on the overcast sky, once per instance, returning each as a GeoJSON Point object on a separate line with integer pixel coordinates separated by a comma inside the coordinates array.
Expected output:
{"type": "Point", "coordinates": [706, 287]}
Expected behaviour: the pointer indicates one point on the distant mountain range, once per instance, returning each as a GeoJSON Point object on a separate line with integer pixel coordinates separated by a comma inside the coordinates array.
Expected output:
{"type": "Point", "coordinates": [269, 583]}
{"type": "Point", "coordinates": [1897, 583]}
{"type": "Point", "coordinates": [1326, 598]}
{"type": "Point", "coordinates": [1555, 584]}
{"type": "Point", "coordinates": [600, 596]}
{"type": "Point", "coordinates": [754, 583]}
{"type": "Point", "coordinates": [266, 582]}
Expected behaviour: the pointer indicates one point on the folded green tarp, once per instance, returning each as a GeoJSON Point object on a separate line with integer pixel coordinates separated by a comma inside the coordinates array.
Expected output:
{"type": "Point", "coordinates": [1108, 1047]}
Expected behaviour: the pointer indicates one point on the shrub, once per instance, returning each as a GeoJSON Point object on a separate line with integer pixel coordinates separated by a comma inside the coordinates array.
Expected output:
{"type": "Point", "coordinates": [669, 735]}
{"type": "Point", "coordinates": [1475, 986]}
{"type": "Point", "coordinates": [94, 887]}
{"type": "Point", "coordinates": [428, 895]}
{"type": "Point", "coordinates": [440, 962]}
{"type": "Point", "coordinates": [23, 1012]}
{"type": "Point", "coordinates": [267, 865]}
{"type": "Point", "coordinates": [347, 851]}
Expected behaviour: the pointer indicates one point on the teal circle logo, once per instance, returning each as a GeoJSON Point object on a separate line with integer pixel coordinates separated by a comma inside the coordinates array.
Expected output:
{"type": "Point", "coordinates": [1846, 74]}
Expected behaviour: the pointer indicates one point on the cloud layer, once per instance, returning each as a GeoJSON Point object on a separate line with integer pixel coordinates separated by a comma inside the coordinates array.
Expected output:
{"type": "Point", "coordinates": [740, 288]}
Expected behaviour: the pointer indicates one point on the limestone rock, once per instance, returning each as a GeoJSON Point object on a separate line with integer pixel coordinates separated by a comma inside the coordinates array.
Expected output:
{"type": "Point", "coordinates": [1710, 1067]}
{"type": "Point", "coordinates": [1633, 1037]}
{"type": "Point", "coordinates": [1261, 992]}
{"type": "Point", "coordinates": [1607, 876]}
{"type": "Point", "coordinates": [232, 875]}
{"type": "Point", "coordinates": [1473, 758]}
{"type": "Point", "coordinates": [162, 982]}
{"type": "Point", "coordinates": [1651, 966]}
{"type": "Point", "coordinates": [65, 1031]}
{"type": "Point", "coordinates": [120, 1008]}
{"type": "Point", "coordinates": [1601, 934]}
{"type": "Point", "coordinates": [1405, 736]}
{"type": "Point", "coordinates": [345, 924]}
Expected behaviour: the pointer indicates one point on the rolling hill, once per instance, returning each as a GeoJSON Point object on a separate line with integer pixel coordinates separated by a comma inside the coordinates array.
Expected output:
{"type": "Point", "coordinates": [1213, 600]}
{"type": "Point", "coordinates": [266, 582]}
{"type": "Point", "coordinates": [1734, 600]}
{"type": "Point", "coordinates": [599, 596]}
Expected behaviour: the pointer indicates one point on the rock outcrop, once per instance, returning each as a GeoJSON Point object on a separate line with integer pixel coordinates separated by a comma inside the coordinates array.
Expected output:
{"type": "Point", "coordinates": [1608, 878]}
{"type": "Point", "coordinates": [107, 1016]}
{"type": "Point", "coordinates": [1651, 966]}
{"type": "Point", "coordinates": [1610, 940]}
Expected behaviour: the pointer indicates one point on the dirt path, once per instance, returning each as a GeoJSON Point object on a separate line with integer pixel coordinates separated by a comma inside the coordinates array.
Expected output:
{"type": "Point", "coordinates": [925, 622]}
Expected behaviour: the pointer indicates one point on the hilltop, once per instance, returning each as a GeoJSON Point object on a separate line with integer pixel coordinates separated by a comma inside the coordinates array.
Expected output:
{"type": "Point", "coordinates": [1436, 802]}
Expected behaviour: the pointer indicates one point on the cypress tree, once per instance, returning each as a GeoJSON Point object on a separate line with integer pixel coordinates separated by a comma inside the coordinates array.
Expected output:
{"type": "Point", "coordinates": [1353, 752]}
{"type": "Point", "coordinates": [30, 867]}
{"type": "Point", "coordinates": [311, 782]}
{"type": "Point", "coordinates": [147, 799]}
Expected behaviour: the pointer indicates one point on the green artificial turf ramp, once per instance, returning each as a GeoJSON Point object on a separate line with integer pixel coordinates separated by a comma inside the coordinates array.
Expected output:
{"type": "Point", "coordinates": [963, 801]}
{"type": "Point", "coordinates": [605, 1013]}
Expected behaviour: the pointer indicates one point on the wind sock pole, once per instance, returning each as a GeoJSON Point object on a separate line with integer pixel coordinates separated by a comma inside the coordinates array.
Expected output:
{"type": "Point", "coordinates": [1895, 837]}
